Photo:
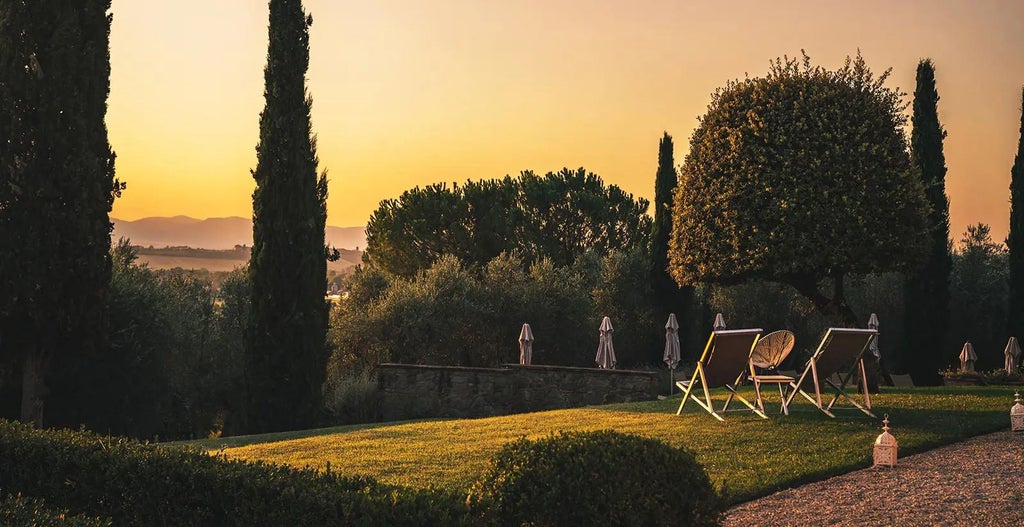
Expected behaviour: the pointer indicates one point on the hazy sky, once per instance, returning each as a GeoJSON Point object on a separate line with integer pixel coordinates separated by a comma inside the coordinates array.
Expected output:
{"type": "Point", "coordinates": [412, 92]}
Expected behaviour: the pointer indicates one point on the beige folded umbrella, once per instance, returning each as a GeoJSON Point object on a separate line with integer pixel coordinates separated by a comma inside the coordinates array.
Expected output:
{"type": "Point", "coordinates": [967, 358]}
{"type": "Point", "coordinates": [605, 350]}
{"type": "Point", "coordinates": [526, 345]}
{"type": "Point", "coordinates": [719, 322]}
{"type": "Point", "coordinates": [873, 324]}
{"type": "Point", "coordinates": [1012, 354]}
{"type": "Point", "coordinates": [672, 354]}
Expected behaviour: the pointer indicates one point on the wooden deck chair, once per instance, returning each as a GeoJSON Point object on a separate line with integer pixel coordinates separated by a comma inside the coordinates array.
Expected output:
{"type": "Point", "coordinates": [724, 363]}
{"type": "Point", "coordinates": [841, 353]}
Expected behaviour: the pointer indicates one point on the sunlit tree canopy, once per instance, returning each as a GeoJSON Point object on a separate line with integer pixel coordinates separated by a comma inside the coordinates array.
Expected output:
{"type": "Point", "coordinates": [797, 176]}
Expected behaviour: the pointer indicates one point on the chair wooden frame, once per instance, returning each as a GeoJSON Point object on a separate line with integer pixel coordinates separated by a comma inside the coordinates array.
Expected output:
{"type": "Point", "coordinates": [840, 349]}
{"type": "Point", "coordinates": [722, 364]}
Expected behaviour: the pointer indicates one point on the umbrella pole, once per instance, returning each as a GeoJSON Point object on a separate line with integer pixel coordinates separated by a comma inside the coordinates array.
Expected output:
{"type": "Point", "coordinates": [671, 378]}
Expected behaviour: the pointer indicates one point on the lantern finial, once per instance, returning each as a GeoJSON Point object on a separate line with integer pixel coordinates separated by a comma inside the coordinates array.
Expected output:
{"type": "Point", "coordinates": [885, 446]}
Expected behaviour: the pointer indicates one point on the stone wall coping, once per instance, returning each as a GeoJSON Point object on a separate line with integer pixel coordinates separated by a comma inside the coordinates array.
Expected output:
{"type": "Point", "coordinates": [435, 367]}
{"type": "Point", "coordinates": [516, 366]}
{"type": "Point", "coordinates": [598, 371]}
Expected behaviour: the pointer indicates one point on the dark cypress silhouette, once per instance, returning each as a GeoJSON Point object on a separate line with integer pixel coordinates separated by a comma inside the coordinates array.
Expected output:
{"type": "Point", "coordinates": [1015, 240]}
{"type": "Point", "coordinates": [927, 289]}
{"type": "Point", "coordinates": [286, 350]}
{"type": "Point", "coordinates": [56, 188]}
{"type": "Point", "coordinates": [669, 297]}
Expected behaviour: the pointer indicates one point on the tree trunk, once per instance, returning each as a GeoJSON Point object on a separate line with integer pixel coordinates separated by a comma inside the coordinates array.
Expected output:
{"type": "Point", "coordinates": [837, 309]}
{"type": "Point", "coordinates": [33, 388]}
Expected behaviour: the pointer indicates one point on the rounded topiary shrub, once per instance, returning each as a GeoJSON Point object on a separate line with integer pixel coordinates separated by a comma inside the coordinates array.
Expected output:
{"type": "Point", "coordinates": [595, 478]}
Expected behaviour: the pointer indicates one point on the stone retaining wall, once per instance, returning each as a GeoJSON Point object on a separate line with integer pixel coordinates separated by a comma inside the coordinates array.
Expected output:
{"type": "Point", "coordinates": [410, 391]}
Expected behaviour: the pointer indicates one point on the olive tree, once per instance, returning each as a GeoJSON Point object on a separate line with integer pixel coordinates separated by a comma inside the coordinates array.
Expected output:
{"type": "Point", "coordinates": [800, 177]}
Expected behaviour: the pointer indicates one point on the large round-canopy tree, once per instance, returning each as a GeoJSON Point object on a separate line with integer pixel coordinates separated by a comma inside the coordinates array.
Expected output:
{"type": "Point", "coordinates": [799, 177]}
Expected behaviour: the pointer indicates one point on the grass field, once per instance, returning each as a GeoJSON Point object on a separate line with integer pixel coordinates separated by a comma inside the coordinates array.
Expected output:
{"type": "Point", "coordinates": [745, 456]}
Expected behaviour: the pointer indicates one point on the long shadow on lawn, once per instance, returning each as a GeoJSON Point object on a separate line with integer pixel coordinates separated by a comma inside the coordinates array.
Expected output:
{"type": "Point", "coordinates": [244, 440]}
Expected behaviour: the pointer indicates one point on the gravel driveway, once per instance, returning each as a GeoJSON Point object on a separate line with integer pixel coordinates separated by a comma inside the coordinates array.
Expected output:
{"type": "Point", "coordinates": [979, 482]}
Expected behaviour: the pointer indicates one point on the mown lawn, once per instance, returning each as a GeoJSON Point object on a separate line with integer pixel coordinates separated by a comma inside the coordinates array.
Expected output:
{"type": "Point", "coordinates": [745, 456]}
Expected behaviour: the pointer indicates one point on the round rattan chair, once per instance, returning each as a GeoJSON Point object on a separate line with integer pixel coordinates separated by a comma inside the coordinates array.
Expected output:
{"type": "Point", "coordinates": [767, 355]}
{"type": "Point", "coordinates": [772, 349]}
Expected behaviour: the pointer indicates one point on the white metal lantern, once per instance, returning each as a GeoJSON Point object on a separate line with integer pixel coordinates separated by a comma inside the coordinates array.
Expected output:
{"type": "Point", "coordinates": [885, 446]}
{"type": "Point", "coordinates": [1017, 414]}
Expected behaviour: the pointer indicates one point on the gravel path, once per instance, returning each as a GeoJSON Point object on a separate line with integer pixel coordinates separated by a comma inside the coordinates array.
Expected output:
{"type": "Point", "coordinates": [979, 482]}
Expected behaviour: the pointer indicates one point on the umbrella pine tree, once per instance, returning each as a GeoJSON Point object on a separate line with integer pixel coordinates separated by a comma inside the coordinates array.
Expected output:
{"type": "Point", "coordinates": [57, 186]}
{"type": "Point", "coordinates": [286, 351]}
{"type": "Point", "coordinates": [927, 288]}
{"type": "Point", "coordinates": [1015, 240]}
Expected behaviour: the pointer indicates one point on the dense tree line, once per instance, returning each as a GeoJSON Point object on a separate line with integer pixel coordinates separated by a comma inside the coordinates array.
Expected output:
{"type": "Point", "coordinates": [172, 365]}
{"type": "Point", "coordinates": [979, 303]}
{"type": "Point", "coordinates": [458, 314]}
{"type": "Point", "coordinates": [174, 369]}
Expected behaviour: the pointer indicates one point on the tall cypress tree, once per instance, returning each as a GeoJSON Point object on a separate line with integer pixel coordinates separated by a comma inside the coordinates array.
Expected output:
{"type": "Point", "coordinates": [56, 187]}
{"type": "Point", "coordinates": [927, 289]}
{"type": "Point", "coordinates": [1015, 240]}
{"type": "Point", "coordinates": [286, 351]}
{"type": "Point", "coordinates": [669, 297]}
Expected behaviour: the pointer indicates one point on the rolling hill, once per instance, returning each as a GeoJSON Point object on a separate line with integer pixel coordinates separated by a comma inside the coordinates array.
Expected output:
{"type": "Point", "coordinates": [213, 233]}
{"type": "Point", "coordinates": [219, 260]}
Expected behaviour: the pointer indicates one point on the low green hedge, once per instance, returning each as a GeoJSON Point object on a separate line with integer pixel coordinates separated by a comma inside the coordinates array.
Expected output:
{"type": "Point", "coordinates": [595, 478]}
{"type": "Point", "coordinates": [20, 511]}
{"type": "Point", "coordinates": [139, 484]}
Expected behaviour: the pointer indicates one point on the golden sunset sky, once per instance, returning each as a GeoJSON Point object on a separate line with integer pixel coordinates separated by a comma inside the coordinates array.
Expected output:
{"type": "Point", "coordinates": [412, 92]}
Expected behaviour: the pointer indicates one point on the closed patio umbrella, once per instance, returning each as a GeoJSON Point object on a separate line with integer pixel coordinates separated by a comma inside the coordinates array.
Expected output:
{"type": "Point", "coordinates": [671, 348]}
{"type": "Point", "coordinates": [873, 324]}
{"type": "Point", "coordinates": [605, 350]}
{"type": "Point", "coordinates": [719, 322]}
{"type": "Point", "coordinates": [1012, 353]}
{"type": "Point", "coordinates": [525, 345]}
{"type": "Point", "coordinates": [967, 358]}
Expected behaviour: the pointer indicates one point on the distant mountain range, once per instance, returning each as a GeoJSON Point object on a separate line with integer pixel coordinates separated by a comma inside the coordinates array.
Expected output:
{"type": "Point", "coordinates": [214, 233]}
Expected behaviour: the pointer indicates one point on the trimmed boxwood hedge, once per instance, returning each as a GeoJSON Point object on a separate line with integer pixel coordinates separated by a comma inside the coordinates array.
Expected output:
{"type": "Point", "coordinates": [16, 510]}
{"type": "Point", "coordinates": [139, 484]}
{"type": "Point", "coordinates": [595, 478]}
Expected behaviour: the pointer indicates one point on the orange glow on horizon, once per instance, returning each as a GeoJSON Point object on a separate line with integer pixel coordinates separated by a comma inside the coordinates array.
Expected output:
{"type": "Point", "coordinates": [411, 93]}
